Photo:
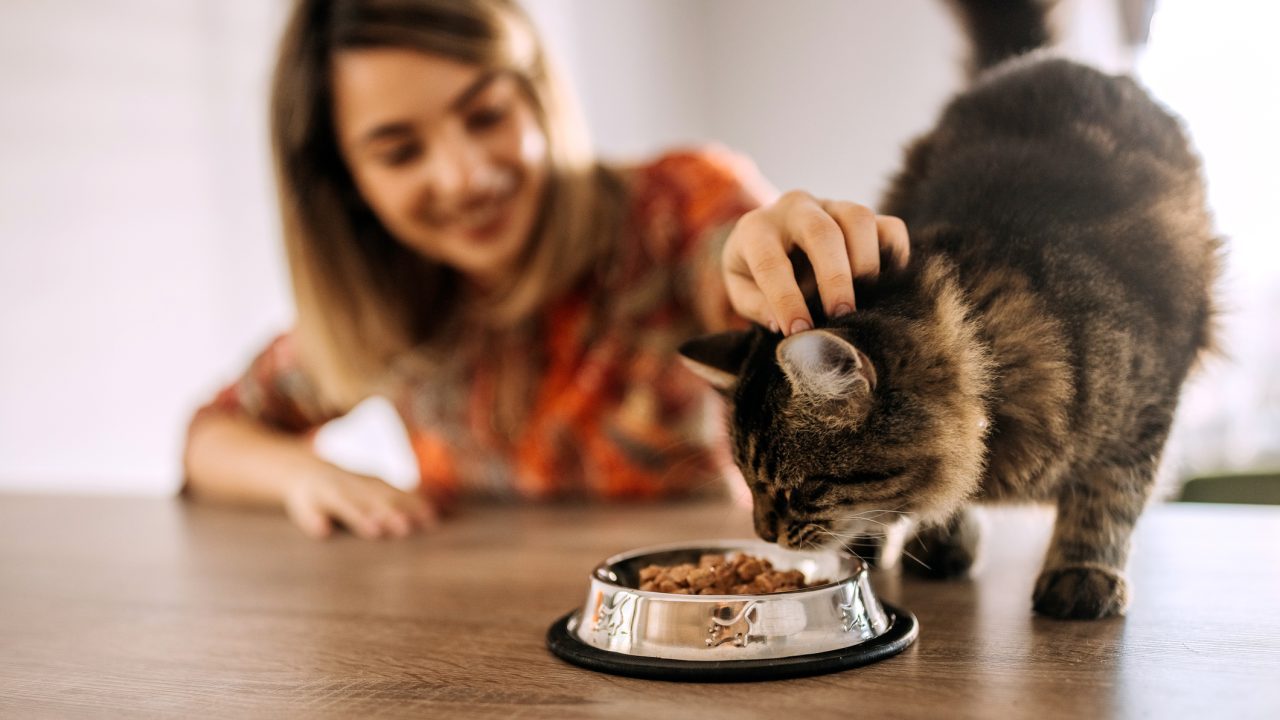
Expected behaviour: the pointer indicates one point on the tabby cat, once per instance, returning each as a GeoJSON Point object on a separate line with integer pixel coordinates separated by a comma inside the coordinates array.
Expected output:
{"type": "Point", "coordinates": [1058, 293]}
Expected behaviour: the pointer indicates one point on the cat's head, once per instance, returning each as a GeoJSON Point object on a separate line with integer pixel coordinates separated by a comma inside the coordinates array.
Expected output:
{"type": "Point", "coordinates": [840, 429]}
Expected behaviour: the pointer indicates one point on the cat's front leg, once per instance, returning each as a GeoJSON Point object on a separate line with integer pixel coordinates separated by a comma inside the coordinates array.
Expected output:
{"type": "Point", "coordinates": [1083, 573]}
{"type": "Point", "coordinates": [949, 550]}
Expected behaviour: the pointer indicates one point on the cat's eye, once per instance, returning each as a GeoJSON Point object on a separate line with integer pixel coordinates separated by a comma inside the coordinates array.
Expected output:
{"type": "Point", "coordinates": [860, 477]}
{"type": "Point", "coordinates": [809, 496]}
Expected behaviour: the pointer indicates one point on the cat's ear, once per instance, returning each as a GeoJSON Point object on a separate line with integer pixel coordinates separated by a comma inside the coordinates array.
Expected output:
{"type": "Point", "coordinates": [718, 358]}
{"type": "Point", "coordinates": [825, 366]}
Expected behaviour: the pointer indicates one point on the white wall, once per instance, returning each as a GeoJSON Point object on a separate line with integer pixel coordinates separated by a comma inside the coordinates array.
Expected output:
{"type": "Point", "coordinates": [139, 260]}
{"type": "Point", "coordinates": [823, 94]}
{"type": "Point", "coordinates": [639, 66]}
{"type": "Point", "coordinates": [1216, 64]}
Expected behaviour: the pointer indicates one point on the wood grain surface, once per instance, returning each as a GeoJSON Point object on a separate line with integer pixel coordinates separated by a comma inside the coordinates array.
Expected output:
{"type": "Point", "coordinates": [153, 608]}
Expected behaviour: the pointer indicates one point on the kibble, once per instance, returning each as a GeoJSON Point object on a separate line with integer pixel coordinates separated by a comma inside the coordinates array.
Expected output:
{"type": "Point", "coordinates": [716, 575]}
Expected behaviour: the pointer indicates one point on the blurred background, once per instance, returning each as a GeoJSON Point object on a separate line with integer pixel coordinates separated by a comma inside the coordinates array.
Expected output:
{"type": "Point", "coordinates": [140, 263]}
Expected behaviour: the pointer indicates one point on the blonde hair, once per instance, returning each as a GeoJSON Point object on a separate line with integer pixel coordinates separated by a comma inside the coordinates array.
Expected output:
{"type": "Point", "coordinates": [363, 299]}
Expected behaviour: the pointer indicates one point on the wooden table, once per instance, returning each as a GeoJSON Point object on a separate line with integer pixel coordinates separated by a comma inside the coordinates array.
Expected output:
{"type": "Point", "coordinates": [150, 607]}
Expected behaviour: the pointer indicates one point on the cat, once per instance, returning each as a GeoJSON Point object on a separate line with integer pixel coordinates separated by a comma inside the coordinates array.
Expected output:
{"type": "Point", "coordinates": [1058, 293]}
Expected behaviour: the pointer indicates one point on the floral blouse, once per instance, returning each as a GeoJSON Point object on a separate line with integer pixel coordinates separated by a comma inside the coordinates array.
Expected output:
{"type": "Point", "coordinates": [612, 412]}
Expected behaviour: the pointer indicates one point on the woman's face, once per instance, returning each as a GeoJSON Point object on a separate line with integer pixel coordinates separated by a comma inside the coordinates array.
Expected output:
{"type": "Point", "coordinates": [449, 156]}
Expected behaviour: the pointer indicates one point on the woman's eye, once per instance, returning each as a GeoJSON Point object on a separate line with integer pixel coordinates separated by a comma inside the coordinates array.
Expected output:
{"type": "Point", "coordinates": [486, 118]}
{"type": "Point", "coordinates": [399, 155]}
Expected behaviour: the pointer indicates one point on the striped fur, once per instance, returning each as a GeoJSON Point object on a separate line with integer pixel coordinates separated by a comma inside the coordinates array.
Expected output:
{"type": "Point", "coordinates": [1058, 295]}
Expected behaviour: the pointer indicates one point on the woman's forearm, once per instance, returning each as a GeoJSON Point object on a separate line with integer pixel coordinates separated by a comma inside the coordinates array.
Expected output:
{"type": "Point", "coordinates": [237, 460]}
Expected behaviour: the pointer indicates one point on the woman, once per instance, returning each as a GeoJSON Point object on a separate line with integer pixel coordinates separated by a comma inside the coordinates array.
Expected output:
{"type": "Point", "coordinates": [455, 246]}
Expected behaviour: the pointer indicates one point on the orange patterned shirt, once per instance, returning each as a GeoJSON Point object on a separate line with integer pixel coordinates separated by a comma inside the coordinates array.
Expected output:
{"type": "Point", "coordinates": [613, 413]}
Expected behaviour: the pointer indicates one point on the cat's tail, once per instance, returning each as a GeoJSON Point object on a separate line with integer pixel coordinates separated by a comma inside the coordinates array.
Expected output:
{"type": "Point", "coordinates": [1001, 29]}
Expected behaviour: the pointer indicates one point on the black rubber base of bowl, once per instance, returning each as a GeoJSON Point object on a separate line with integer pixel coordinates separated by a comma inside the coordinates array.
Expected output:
{"type": "Point", "coordinates": [902, 632]}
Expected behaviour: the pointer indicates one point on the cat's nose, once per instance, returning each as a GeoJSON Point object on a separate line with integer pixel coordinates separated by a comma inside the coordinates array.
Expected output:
{"type": "Point", "coordinates": [767, 527]}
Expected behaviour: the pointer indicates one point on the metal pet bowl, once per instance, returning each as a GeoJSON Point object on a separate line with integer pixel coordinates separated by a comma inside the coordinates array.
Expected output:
{"type": "Point", "coordinates": [623, 630]}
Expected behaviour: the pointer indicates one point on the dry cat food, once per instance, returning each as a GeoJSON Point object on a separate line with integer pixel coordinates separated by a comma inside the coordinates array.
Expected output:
{"type": "Point", "coordinates": [716, 575]}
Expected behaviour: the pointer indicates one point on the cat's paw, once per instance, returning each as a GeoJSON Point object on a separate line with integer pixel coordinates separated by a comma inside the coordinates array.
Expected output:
{"type": "Point", "coordinates": [944, 552]}
{"type": "Point", "coordinates": [939, 560]}
{"type": "Point", "coordinates": [1080, 592]}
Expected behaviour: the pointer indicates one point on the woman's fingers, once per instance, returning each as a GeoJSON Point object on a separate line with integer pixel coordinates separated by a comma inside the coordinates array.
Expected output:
{"type": "Point", "coordinates": [395, 523]}
{"type": "Point", "coordinates": [895, 243]}
{"type": "Point", "coordinates": [401, 513]}
{"type": "Point", "coordinates": [365, 505]}
{"type": "Point", "coordinates": [860, 235]}
{"type": "Point", "coordinates": [420, 512]}
{"type": "Point", "coordinates": [824, 237]}
{"type": "Point", "coordinates": [310, 518]}
{"type": "Point", "coordinates": [843, 241]}
{"type": "Point", "coordinates": [396, 512]}
{"type": "Point", "coordinates": [748, 301]}
{"type": "Point", "coordinates": [761, 258]}
{"type": "Point", "coordinates": [352, 514]}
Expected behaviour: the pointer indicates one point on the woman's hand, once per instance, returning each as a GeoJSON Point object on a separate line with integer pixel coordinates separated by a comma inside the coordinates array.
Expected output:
{"type": "Point", "coordinates": [842, 240]}
{"type": "Point", "coordinates": [365, 505]}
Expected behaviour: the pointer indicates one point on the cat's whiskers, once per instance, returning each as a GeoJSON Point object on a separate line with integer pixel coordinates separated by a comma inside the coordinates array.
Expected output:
{"type": "Point", "coordinates": [909, 554]}
{"type": "Point", "coordinates": [879, 512]}
{"type": "Point", "coordinates": [853, 536]}
{"type": "Point", "coordinates": [901, 515]}
{"type": "Point", "coordinates": [848, 518]}
{"type": "Point", "coordinates": [841, 543]}
{"type": "Point", "coordinates": [881, 523]}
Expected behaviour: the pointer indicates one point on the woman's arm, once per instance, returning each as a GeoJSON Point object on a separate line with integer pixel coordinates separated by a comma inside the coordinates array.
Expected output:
{"type": "Point", "coordinates": [237, 460]}
{"type": "Point", "coordinates": [251, 446]}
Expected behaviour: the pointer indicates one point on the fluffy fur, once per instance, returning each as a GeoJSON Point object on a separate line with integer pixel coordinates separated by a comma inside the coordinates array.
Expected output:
{"type": "Point", "coordinates": [1058, 294]}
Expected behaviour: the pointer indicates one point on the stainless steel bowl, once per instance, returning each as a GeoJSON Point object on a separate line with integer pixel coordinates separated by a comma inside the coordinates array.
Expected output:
{"type": "Point", "coordinates": [620, 628]}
